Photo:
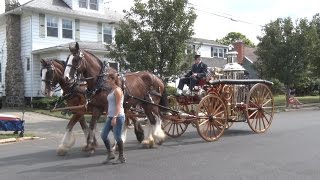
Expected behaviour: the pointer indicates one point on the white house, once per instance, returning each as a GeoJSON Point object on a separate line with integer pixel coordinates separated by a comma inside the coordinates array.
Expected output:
{"type": "Point", "coordinates": [212, 53]}
{"type": "Point", "coordinates": [48, 26]}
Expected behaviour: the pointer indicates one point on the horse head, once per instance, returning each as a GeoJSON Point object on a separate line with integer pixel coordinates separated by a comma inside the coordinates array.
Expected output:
{"type": "Point", "coordinates": [74, 62]}
{"type": "Point", "coordinates": [47, 77]}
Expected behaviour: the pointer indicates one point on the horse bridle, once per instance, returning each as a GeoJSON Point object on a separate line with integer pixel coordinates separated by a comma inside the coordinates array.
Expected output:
{"type": "Point", "coordinates": [50, 68]}
{"type": "Point", "coordinates": [81, 55]}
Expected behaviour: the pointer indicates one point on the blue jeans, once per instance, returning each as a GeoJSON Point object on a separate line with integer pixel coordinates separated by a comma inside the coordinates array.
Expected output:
{"type": "Point", "coordinates": [117, 130]}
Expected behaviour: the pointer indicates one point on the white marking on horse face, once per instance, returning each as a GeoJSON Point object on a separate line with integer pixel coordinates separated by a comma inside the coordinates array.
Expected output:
{"type": "Point", "coordinates": [68, 67]}
{"type": "Point", "coordinates": [43, 83]}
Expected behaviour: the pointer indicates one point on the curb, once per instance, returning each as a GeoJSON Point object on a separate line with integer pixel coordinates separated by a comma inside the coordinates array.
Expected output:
{"type": "Point", "coordinates": [10, 140]}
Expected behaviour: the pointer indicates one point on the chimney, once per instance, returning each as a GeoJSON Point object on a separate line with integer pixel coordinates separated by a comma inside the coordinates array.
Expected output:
{"type": "Point", "coordinates": [239, 47]}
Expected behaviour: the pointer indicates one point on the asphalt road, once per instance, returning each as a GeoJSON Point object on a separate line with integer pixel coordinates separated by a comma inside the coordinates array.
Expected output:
{"type": "Point", "coordinates": [288, 150]}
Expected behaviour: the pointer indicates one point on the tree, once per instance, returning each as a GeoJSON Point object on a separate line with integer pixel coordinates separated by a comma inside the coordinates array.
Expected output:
{"type": "Point", "coordinates": [282, 51]}
{"type": "Point", "coordinates": [232, 37]}
{"type": "Point", "coordinates": [153, 36]}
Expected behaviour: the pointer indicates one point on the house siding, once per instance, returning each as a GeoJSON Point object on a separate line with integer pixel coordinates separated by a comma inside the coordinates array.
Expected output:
{"type": "Point", "coordinates": [3, 55]}
{"type": "Point", "coordinates": [88, 31]}
{"type": "Point", "coordinates": [26, 52]}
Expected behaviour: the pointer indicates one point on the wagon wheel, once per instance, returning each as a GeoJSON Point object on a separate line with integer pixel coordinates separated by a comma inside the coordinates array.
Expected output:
{"type": "Point", "coordinates": [171, 128]}
{"type": "Point", "coordinates": [260, 108]}
{"type": "Point", "coordinates": [212, 117]}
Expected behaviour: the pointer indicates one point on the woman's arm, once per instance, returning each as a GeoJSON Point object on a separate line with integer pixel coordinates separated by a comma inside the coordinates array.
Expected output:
{"type": "Point", "coordinates": [118, 94]}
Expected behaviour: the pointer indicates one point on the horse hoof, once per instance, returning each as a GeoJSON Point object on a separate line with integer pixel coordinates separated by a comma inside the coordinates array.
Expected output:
{"type": "Point", "coordinates": [160, 142]}
{"type": "Point", "coordinates": [62, 151]}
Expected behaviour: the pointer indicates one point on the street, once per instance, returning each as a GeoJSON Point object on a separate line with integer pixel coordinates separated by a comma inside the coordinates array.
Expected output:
{"type": "Point", "coordinates": [288, 150]}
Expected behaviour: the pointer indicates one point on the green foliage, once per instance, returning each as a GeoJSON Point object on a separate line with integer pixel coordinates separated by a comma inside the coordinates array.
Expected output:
{"type": "Point", "coordinates": [171, 90]}
{"type": "Point", "coordinates": [153, 36]}
{"type": "Point", "coordinates": [232, 37]}
{"type": "Point", "coordinates": [277, 87]}
{"type": "Point", "coordinates": [281, 51]}
{"type": "Point", "coordinates": [44, 103]}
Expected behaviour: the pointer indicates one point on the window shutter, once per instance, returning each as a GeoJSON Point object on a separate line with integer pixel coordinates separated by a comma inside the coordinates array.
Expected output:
{"type": "Point", "coordinates": [99, 32]}
{"type": "Point", "coordinates": [42, 26]}
{"type": "Point", "coordinates": [77, 26]}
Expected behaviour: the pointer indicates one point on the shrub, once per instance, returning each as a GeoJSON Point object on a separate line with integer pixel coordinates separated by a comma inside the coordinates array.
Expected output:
{"type": "Point", "coordinates": [314, 93]}
{"type": "Point", "coordinates": [171, 90]}
{"type": "Point", "coordinates": [277, 87]}
{"type": "Point", "coordinates": [44, 103]}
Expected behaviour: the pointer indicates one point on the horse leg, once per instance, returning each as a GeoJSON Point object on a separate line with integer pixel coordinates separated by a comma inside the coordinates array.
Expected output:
{"type": "Point", "coordinates": [85, 129]}
{"type": "Point", "coordinates": [68, 139]}
{"type": "Point", "coordinates": [158, 134]}
{"type": "Point", "coordinates": [91, 140]}
{"type": "Point", "coordinates": [138, 130]}
{"type": "Point", "coordinates": [148, 141]}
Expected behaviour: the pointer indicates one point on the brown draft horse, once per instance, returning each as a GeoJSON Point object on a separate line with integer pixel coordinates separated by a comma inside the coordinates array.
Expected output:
{"type": "Point", "coordinates": [143, 85]}
{"type": "Point", "coordinates": [51, 75]}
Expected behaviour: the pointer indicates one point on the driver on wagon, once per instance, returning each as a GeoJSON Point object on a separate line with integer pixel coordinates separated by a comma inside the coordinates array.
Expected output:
{"type": "Point", "coordinates": [197, 72]}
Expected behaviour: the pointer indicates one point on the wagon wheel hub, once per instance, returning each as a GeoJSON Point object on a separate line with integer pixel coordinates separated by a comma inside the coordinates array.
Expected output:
{"type": "Point", "coordinates": [212, 118]}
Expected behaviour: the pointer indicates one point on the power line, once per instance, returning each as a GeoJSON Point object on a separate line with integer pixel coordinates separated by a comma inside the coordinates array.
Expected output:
{"type": "Point", "coordinates": [226, 16]}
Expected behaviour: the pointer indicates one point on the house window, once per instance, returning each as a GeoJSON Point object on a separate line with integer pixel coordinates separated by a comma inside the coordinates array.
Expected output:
{"type": "Point", "coordinates": [52, 26]}
{"type": "Point", "coordinates": [67, 29]}
{"type": "Point", "coordinates": [225, 52]}
{"type": "Point", "coordinates": [107, 34]}
{"type": "Point", "coordinates": [93, 4]}
{"type": "Point", "coordinates": [215, 52]}
{"type": "Point", "coordinates": [220, 53]}
{"type": "Point", "coordinates": [83, 4]}
{"type": "Point", "coordinates": [28, 63]}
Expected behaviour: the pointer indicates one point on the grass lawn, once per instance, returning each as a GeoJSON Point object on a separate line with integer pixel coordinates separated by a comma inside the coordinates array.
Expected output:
{"type": "Point", "coordinates": [280, 100]}
{"type": "Point", "coordinates": [11, 135]}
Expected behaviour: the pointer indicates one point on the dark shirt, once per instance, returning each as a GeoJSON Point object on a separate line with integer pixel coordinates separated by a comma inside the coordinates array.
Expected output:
{"type": "Point", "coordinates": [201, 69]}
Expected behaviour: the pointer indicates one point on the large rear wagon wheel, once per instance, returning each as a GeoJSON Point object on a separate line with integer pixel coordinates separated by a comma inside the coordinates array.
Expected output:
{"type": "Point", "coordinates": [171, 128]}
{"type": "Point", "coordinates": [212, 117]}
{"type": "Point", "coordinates": [260, 108]}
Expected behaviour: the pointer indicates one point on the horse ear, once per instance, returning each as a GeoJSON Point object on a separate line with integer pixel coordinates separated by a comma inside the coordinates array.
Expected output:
{"type": "Point", "coordinates": [77, 46]}
{"type": "Point", "coordinates": [42, 61]}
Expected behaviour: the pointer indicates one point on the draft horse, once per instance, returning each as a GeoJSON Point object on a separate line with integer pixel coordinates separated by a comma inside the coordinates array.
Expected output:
{"type": "Point", "coordinates": [141, 85]}
{"type": "Point", "coordinates": [51, 75]}
{"type": "Point", "coordinates": [73, 93]}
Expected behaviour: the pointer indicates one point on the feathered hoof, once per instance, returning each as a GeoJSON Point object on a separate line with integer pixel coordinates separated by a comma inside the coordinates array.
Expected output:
{"type": "Point", "coordinates": [62, 150]}
{"type": "Point", "coordinates": [160, 142]}
{"type": "Point", "coordinates": [147, 144]}
{"type": "Point", "coordinates": [84, 148]}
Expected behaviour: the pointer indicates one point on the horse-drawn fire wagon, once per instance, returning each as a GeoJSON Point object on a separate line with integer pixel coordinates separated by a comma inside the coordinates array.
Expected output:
{"type": "Point", "coordinates": [226, 97]}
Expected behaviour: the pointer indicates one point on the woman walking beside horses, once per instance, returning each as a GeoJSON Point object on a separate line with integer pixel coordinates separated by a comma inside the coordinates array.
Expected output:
{"type": "Point", "coordinates": [115, 119]}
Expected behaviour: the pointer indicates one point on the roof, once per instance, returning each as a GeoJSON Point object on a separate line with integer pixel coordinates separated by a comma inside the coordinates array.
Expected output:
{"type": "Point", "coordinates": [60, 7]}
{"type": "Point", "coordinates": [214, 62]}
{"type": "Point", "coordinates": [249, 53]}
{"type": "Point", "coordinates": [86, 45]}
{"type": "Point", "coordinates": [206, 42]}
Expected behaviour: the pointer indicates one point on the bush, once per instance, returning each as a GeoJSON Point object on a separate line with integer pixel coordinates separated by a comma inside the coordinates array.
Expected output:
{"type": "Point", "coordinates": [44, 103]}
{"type": "Point", "coordinates": [277, 87]}
{"type": "Point", "coordinates": [314, 93]}
{"type": "Point", "coordinates": [171, 90]}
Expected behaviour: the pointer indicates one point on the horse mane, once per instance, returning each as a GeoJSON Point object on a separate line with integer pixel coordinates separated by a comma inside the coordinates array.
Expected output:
{"type": "Point", "coordinates": [62, 63]}
{"type": "Point", "coordinates": [99, 61]}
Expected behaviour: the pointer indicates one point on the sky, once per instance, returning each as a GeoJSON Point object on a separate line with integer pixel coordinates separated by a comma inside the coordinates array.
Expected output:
{"type": "Point", "coordinates": [248, 15]}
